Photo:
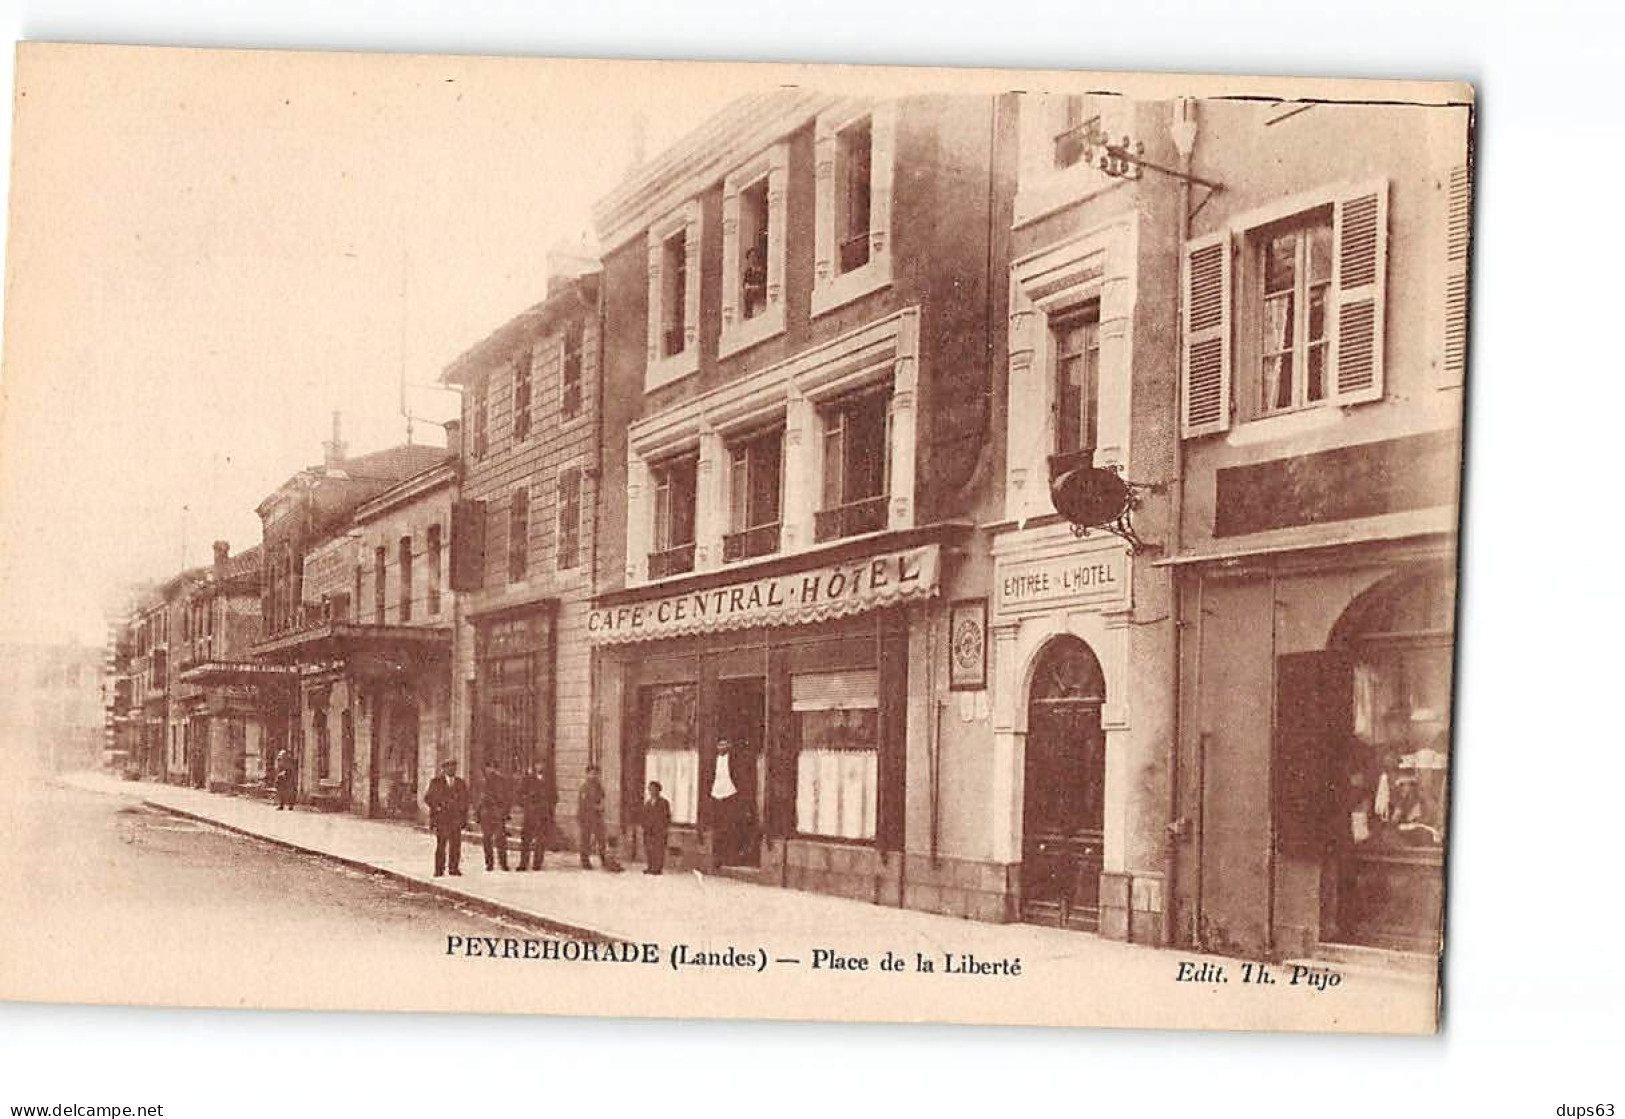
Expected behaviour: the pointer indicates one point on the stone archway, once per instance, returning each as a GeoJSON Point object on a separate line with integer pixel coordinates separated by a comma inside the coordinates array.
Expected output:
{"type": "Point", "coordinates": [1063, 788]}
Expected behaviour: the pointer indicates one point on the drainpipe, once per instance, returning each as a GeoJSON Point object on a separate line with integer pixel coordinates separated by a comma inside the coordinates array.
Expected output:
{"type": "Point", "coordinates": [1183, 130]}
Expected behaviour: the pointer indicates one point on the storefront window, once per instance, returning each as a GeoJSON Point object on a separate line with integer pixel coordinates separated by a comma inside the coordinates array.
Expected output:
{"type": "Point", "coordinates": [671, 746]}
{"type": "Point", "coordinates": [1398, 758]}
{"type": "Point", "coordinates": [837, 729]}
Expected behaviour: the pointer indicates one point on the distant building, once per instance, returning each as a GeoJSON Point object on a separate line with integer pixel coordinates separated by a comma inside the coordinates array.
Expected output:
{"type": "Point", "coordinates": [310, 532]}
{"type": "Point", "coordinates": [51, 705]}
{"type": "Point", "coordinates": [221, 693]}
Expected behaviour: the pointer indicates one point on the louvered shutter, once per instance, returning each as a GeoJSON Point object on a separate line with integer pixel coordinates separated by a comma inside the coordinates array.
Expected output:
{"type": "Point", "coordinates": [1359, 278]}
{"type": "Point", "coordinates": [1205, 381]}
{"type": "Point", "coordinates": [1458, 208]}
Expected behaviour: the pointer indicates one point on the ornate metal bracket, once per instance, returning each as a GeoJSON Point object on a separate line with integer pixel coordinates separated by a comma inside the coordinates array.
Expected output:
{"type": "Point", "coordinates": [1122, 525]}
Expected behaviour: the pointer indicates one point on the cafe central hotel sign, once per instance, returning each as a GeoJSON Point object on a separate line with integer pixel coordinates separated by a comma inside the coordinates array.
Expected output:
{"type": "Point", "coordinates": [835, 591]}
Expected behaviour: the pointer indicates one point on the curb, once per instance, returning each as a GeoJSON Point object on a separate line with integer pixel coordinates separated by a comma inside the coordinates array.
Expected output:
{"type": "Point", "coordinates": [487, 905]}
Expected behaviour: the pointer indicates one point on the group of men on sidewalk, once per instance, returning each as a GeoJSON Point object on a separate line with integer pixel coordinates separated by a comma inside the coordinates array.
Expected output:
{"type": "Point", "coordinates": [448, 800]}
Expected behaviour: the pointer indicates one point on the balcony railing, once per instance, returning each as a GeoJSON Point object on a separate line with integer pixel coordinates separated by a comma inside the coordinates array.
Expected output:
{"type": "Point", "coordinates": [673, 561]}
{"type": "Point", "coordinates": [851, 519]}
{"type": "Point", "coordinates": [855, 251]}
{"type": "Point", "coordinates": [759, 541]}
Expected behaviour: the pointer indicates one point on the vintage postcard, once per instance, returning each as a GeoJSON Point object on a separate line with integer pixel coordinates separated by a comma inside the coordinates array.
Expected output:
{"type": "Point", "coordinates": [718, 540]}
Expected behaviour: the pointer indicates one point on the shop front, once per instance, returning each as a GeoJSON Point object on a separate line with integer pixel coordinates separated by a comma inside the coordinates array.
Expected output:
{"type": "Point", "coordinates": [773, 712]}
{"type": "Point", "coordinates": [373, 713]}
{"type": "Point", "coordinates": [1318, 764]}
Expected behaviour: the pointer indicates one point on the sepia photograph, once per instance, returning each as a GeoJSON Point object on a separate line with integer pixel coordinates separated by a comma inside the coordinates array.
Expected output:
{"type": "Point", "coordinates": [688, 540]}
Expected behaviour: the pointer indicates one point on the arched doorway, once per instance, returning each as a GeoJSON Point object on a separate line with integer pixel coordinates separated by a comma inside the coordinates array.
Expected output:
{"type": "Point", "coordinates": [1063, 805]}
{"type": "Point", "coordinates": [1383, 875]}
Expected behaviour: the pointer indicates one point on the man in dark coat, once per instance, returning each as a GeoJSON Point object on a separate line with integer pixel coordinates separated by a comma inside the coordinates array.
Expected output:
{"type": "Point", "coordinates": [447, 799]}
{"type": "Point", "coordinates": [590, 817]}
{"type": "Point", "coordinates": [656, 823]}
{"type": "Point", "coordinates": [536, 822]}
{"type": "Point", "coordinates": [287, 781]}
{"type": "Point", "coordinates": [494, 805]}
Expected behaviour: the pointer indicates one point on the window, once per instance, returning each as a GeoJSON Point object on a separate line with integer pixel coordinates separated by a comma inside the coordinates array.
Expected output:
{"type": "Point", "coordinates": [1294, 270]}
{"type": "Point", "coordinates": [673, 293]}
{"type": "Point", "coordinates": [853, 167]}
{"type": "Point", "coordinates": [324, 743]}
{"type": "Point", "coordinates": [853, 160]}
{"type": "Point", "coordinates": [518, 534]}
{"type": "Point", "coordinates": [433, 549]}
{"type": "Point", "coordinates": [857, 461]}
{"type": "Point", "coordinates": [356, 596]}
{"type": "Point", "coordinates": [570, 391]}
{"type": "Point", "coordinates": [753, 251]}
{"type": "Point", "coordinates": [509, 686]}
{"type": "Point", "coordinates": [380, 566]}
{"type": "Point", "coordinates": [674, 493]}
{"type": "Point", "coordinates": [569, 515]}
{"type": "Point", "coordinates": [755, 472]}
{"type": "Point", "coordinates": [406, 578]}
{"type": "Point", "coordinates": [674, 296]}
{"type": "Point", "coordinates": [753, 221]}
{"type": "Point", "coordinates": [482, 421]}
{"type": "Point", "coordinates": [1075, 127]}
{"type": "Point", "coordinates": [1302, 307]}
{"type": "Point", "coordinates": [522, 365]}
{"type": "Point", "coordinates": [836, 727]}
{"type": "Point", "coordinates": [670, 725]}
{"type": "Point", "coordinates": [1077, 382]}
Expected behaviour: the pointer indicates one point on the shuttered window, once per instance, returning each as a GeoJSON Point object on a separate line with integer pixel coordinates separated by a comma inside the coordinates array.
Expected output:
{"type": "Point", "coordinates": [1458, 209]}
{"type": "Point", "coordinates": [1298, 322]}
{"type": "Point", "coordinates": [1360, 234]}
{"type": "Point", "coordinates": [1206, 395]}
{"type": "Point", "coordinates": [569, 518]}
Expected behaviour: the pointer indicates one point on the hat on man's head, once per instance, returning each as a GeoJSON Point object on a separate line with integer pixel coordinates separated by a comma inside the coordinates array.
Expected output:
{"type": "Point", "coordinates": [449, 763]}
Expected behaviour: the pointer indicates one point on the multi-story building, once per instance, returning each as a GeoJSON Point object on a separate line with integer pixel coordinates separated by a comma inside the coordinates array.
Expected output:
{"type": "Point", "coordinates": [306, 511]}
{"type": "Point", "coordinates": [526, 539]}
{"type": "Point", "coordinates": [222, 692]}
{"type": "Point", "coordinates": [806, 303]}
{"type": "Point", "coordinates": [1324, 341]}
{"type": "Point", "coordinates": [373, 657]}
{"type": "Point", "coordinates": [1083, 633]}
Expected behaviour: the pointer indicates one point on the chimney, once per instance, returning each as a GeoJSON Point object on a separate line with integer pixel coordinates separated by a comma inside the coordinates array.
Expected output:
{"type": "Point", "coordinates": [454, 438]}
{"type": "Point", "coordinates": [222, 551]}
{"type": "Point", "coordinates": [333, 450]}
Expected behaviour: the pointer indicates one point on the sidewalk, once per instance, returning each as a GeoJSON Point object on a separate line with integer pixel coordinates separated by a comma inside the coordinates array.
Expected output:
{"type": "Point", "coordinates": [710, 913]}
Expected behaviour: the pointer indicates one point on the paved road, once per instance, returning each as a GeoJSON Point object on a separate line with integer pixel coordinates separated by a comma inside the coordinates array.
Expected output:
{"type": "Point", "coordinates": [169, 893]}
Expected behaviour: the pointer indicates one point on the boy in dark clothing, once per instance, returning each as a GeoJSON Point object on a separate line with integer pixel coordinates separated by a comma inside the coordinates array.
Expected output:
{"type": "Point", "coordinates": [536, 810]}
{"type": "Point", "coordinates": [656, 823]}
{"type": "Point", "coordinates": [494, 818]}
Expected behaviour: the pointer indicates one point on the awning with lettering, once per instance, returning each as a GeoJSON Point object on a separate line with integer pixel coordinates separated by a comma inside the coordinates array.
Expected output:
{"type": "Point", "coordinates": [817, 595]}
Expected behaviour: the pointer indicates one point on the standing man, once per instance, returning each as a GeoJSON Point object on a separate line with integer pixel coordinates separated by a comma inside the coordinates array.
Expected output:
{"type": "Point", "coordinates": [536, 808]}
{"type": "Point", "coordinates": [494, 805]}
{"type": "Point", "coordinates": [656, 822]}
{"type": "Point", "coordinates": [725, 808]}
{"type": "Point", "coordinates": [287, 779]}
{"type": "Point", "coordinates": [590, 815]}
{"type": "Point", "coordinates": [447, 799]}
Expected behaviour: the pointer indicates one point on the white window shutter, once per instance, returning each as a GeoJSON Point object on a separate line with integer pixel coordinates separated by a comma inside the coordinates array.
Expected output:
{"type": "Point", "coordinates": [1359, 279]}
{"type": "Point", "coordinates": [1458, 208]}
{"type": "Point", "coordinates": [1205, 380]}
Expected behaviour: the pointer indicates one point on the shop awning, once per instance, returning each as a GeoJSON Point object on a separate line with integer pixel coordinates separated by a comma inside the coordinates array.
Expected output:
{"type": "Point", "coordinates": [813, 594]}
{"type": "Point", "coordinates": [227, 672]}
{"type": "Point", "coordinates": [365, 649]}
